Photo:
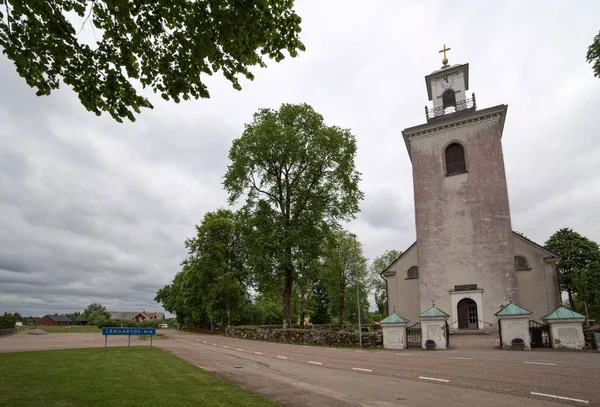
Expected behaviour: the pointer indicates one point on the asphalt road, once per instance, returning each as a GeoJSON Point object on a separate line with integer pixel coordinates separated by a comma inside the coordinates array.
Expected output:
{"type": "Point", "coordinates": [295, 375]}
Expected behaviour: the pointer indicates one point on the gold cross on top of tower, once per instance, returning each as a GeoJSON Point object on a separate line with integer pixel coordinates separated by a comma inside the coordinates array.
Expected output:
{"type": "Point", "coordinates": [445, 60]}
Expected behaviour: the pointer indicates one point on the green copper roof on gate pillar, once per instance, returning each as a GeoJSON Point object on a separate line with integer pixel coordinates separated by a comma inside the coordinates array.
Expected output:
{"type": "Point", "coordinates": [394, 319]}
{"type": "Point", "coordinates": [433, 312]}
{"type": "Point", "coordinates": [511, 310]}
{"type": "Point", "coordinates": [563, 313]}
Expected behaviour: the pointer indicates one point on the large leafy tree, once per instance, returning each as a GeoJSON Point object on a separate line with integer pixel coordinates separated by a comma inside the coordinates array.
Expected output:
{"type": "Point", "coordinates": [213, 284]}
{"type": "Point", "coordinates": [579, 267]}
{"type": "Point", "coordinates": [168, 46]}
{"type": "Point", "coordinates": [96, 313]}
{"type": "Point", "coordinates": [299, 179]}
{"type": "Point", "coordinates": [378, 284]}
{"type": "Point", "coordinates": [593, 55]}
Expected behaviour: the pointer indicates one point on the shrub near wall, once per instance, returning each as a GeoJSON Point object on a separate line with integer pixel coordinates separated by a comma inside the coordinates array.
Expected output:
{"type": "Point", "coordinates": [304, 337]}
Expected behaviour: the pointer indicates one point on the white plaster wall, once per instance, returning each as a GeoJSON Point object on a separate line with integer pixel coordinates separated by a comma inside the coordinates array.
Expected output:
{"type": "Point", "coordinates": [567, 335]}
{"type": "Point", "coordinates": [394, 336]}
{"type": "Point", "coordinates": [434, 329]}
{"type": "Point", "coordinates": [538, 286]}
{"type": "Point", "coordinates": [515, 328]}
{"type": "Point", "coordinates": [403, 293]}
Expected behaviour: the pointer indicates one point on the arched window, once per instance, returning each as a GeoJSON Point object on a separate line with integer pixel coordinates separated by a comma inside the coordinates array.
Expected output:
{"type": "Point", "coordinates": [455, 159]}
{"type": "Point", "coordinates": [521, 263]}
{"type": "Point", "coordinates": [412, 273]}
{"type": "Point", "coordinates": [449, 100]}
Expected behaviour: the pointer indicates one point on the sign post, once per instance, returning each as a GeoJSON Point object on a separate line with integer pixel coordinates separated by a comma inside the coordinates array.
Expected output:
{"type": "Point", "coordinates": [128, 331]}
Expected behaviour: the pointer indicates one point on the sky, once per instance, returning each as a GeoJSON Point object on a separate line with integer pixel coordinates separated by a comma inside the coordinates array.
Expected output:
{"type": "Point", "coordinates": [96, 211]}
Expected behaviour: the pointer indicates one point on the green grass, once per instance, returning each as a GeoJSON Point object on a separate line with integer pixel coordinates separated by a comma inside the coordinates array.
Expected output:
{"type": "Point", "coordinates": [67, 329]}
{"type": "Point", "coordinates": [115, 377]}
{"type": "Point", "coordinates": [157, 336]}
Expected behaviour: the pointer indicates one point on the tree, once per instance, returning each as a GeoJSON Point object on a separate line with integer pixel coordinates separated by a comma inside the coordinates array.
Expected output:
{"type": "Point", "coordinates": [579, 267]}
{"type": "Point", "coordinates": [378, 284]}
{"type": "Point", "coordinates": [299, 178]}
{"type": "Point", "coordinates": [213, 283]}
{"type": "Point", "coordinates": [96, 313]}
{"type": "Point", "coordinates": [343, 264]}
{"type": "Point", "coordinates": [593, 55]}
{"type": "Point", "coordinates": [168, 46]}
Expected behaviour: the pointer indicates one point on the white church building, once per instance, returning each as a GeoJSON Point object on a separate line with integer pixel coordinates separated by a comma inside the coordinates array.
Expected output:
{"type": "Point", "coordinates": [466, 258]}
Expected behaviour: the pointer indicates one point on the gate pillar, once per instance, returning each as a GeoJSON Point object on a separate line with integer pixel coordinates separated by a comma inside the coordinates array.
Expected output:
{"type": "Point", "coordinates": [513, 323]}
{"type": "Point", "coordinates": [434, 327]}
{"type": "Point", "coordinates": [394, 331]}
{"type": "Point", "coordinates": [566, 328]}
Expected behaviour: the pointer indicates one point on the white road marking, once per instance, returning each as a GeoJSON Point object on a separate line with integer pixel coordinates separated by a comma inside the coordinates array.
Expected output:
{"type": "Point", "coordinates": [282, 357]}
{"type": "Point", "coordinates": [241, 350]}
{"type": "Point", "coordinates": [225, 347]}
{"type": "Point", "coordinates": [214, 344]}
{"type": "Point", "coordinates": [403, 354]}
{"type": "Point", "coordinates": [540, 363]}
{"type": "Point", "coordinates": [315, 363]}
{"type": "Point", "coordinates": [197, 340]}
{"type": "Point", "coordinates": [362, 351]}
{"type": "Point", "coordinates": [258, 353]}
{"type": "Point", "coordinates": [457, 357]}
{"type": "Point", "coordinates": [362, 370]}
{"type": "Point", "coordinates": [203, 341]}
{"type": "Point", "coordinates": [559, 397]}
{"type": "Point", "coordinates": [434, 379]}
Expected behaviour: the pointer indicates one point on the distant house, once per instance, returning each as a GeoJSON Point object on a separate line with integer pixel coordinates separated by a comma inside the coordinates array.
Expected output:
{"type": "Point", "coordinates": [54, 320]}
{"type": "Point", "coordinates": [137, 316]}
{"type": "Point", "coordinates": [81, 321]}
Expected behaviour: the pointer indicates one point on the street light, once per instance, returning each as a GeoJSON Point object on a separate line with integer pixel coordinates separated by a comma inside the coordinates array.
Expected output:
{"type": "Point", "coordinates": [357, 292]}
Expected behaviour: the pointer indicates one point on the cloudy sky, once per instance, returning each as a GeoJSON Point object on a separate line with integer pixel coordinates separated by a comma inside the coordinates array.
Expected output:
{"type": "Point", "coordinates": [92, 210]}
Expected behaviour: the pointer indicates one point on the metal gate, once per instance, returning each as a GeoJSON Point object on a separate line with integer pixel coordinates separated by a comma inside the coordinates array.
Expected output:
{"type": "Point", "coordinates": [540, 335]}
{"type": "Point", "coordinates": [413, 336]}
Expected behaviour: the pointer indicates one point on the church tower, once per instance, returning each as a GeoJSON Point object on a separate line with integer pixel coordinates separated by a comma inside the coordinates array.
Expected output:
{"type": "Point", "coordinates": [464, 235]}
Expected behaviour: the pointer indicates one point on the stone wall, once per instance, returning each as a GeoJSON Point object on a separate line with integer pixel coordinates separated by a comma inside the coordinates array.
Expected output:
{"type": "Point", "coordinates": [304, 337]}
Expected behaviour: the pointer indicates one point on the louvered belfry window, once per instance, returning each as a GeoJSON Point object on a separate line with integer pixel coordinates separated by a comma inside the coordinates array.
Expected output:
{"type": "Point", "coordinates": [455, 159]}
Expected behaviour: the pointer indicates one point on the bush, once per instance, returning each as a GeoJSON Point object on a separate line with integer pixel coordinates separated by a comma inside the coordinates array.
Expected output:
{"type": "Point", "coordinates": [518, 340]}
{"type": "Point", "coordinates": [151, 323]}
{"type": "Point", "coordinates": [7, 321]}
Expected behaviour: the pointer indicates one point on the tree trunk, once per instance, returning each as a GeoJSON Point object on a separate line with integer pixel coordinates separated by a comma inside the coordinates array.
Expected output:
{"type": "Point", "coordinates": [287, 297]}
{"type": "Point", "coordinates": [228, 311]}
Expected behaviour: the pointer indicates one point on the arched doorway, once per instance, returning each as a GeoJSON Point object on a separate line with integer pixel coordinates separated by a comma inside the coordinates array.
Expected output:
{"type": "Point", "coordinates": [467, 314]}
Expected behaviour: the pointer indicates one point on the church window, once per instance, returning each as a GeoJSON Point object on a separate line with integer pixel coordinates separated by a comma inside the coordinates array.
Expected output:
{"type": "Point", "coordinates": [521, 263]}
{"type": "Point", "coordinates": [455, 159]}
{"type": "Point", "coordinates": [412, 273]}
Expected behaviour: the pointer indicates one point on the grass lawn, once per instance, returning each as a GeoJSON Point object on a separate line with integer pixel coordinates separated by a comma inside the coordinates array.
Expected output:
{"type": "Point", "coordinates": [115, 377]}
{"type": "Point", "coordinates": [62, 329]}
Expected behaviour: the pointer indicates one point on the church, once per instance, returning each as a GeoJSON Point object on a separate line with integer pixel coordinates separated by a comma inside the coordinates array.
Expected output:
{"type": "Point", "coordinates": [466, 260]}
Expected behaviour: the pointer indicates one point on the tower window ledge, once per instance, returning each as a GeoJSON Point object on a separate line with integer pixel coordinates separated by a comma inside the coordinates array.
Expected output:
{"type": "Point", "coordinates": [457, 173]}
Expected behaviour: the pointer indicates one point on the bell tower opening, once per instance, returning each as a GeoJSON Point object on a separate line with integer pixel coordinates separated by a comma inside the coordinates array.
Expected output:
{"type": "Point", "coordinates": [449, 101]}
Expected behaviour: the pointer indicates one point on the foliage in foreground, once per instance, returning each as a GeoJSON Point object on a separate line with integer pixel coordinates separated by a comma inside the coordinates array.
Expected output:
{"type": "Point", "coordinates": [94, 377]}
{"type": "Point", "coordinates": [593, 55]}
{"type": "Point", "coordinates": [170, 47]}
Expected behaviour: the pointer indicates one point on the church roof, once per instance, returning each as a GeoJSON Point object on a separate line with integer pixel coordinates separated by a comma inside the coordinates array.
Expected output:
{"type": "Point", "coordinates": [382, 273]}
{"type": "Point", "coordinates": [542, 248]}
{"type": "Point", "coordinates": [394, 319]}
{"type": "Point", "coordinates": [512, 309]}
{"type": "Point", "coordinates": [563, 313]}
{"type": "Point", "coordinates": [433, 312]}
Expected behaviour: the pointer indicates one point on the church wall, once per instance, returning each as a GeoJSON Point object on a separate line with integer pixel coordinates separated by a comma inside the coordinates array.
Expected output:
{"type": "Point", "coordinates": [463, 221]}
{"type": "Point", "coordinates": [403, 293]}
{"type": "Point", "coordinates": [538, 286]}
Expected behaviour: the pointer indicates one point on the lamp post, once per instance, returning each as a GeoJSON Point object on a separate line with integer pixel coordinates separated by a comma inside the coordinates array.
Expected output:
{"type": "Point", "coordinates": [357, 292]}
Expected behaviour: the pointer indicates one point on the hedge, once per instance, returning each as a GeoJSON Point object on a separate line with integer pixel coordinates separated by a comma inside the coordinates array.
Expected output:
{"type": "Point", "coordinates": [304, 336]}
{"type": "Point", "coordinates": [8, 321]}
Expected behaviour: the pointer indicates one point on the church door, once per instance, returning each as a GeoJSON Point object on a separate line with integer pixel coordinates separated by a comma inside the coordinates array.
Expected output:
{"type": "Point", "coordinates": [467, 314]}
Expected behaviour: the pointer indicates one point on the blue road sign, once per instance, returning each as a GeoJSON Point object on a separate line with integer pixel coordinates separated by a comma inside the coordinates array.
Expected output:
{"type": "Point", "coordinates": [129, 331]}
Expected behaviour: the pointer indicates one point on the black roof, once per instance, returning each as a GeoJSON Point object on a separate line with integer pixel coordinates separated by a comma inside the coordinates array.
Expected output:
{"type": "Point", "coordinates": [81, 320]}
{"type": "Point", "coordinates": [60, 318]}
